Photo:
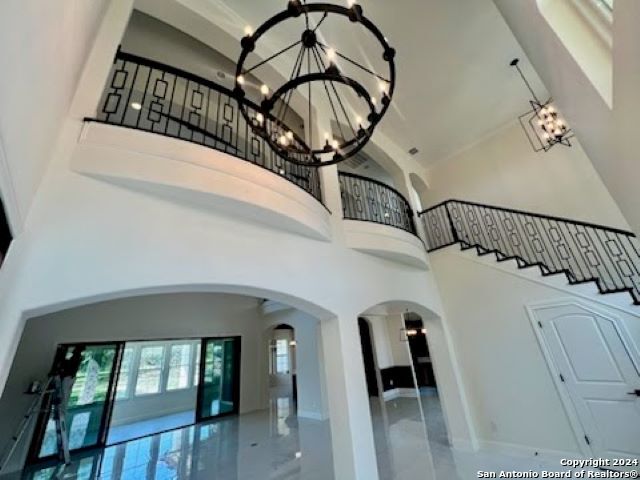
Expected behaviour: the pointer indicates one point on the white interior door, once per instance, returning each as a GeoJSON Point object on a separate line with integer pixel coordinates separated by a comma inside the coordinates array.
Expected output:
{"type": "Point", "coordinates": [598, 371]}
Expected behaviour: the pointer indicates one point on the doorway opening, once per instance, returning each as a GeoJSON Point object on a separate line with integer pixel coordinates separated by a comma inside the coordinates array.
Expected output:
{"type": "Point", "coordinates": [283, 384]}
{"type": "Point", "coordinates": [368, 357]}
{"type": "Point", "coordinates": [419, 349]}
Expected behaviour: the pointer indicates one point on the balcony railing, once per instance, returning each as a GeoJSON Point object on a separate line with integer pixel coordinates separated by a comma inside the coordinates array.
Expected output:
{"type": "Point", "coordinates": [584, 252]}
{"type": "Point", "coordinates": [150, 96]}
{"type": "Point", "coordinates": [368, 200]}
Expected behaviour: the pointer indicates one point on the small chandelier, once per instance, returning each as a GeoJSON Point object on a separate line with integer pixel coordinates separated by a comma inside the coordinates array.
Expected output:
{"type": "Point", "coordinates": [347, 88]}
{"type": "Point", "coordinates": [542, 124]}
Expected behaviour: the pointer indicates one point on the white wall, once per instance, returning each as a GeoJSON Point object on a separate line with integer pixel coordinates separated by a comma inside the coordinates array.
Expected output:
{"type": "Point", "coordinates": [156, 317]}
{"type": "Point", "coordinates": [514, 402]}
{"type": "Point", "coordinates": [43, 48]}
{"type": "Point", "coordinates": [609, 135]}
{"type": "Point", "coordinates": [503, 170]}
{"type": "Point", "coordinates": [399, 348]}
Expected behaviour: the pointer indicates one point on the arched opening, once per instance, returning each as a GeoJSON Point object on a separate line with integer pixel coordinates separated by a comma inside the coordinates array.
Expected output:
{"type": "Point", "coordinates": [144, 349]}
{"type": "Point", "coordinates": [282, 381]}
{"type": "Point", "coordinates": [421, 407]}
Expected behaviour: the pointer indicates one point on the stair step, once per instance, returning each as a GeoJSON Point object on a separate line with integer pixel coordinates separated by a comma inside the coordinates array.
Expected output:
{"type": "Point", "coordinates": [558, 279]}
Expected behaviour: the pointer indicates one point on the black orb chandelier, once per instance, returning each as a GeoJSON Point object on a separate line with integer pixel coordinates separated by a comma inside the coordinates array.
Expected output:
{"type": "Point", "coordinates": [321, 74]}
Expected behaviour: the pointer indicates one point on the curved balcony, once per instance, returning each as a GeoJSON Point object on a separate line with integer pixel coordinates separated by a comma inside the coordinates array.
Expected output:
{"type": "Point", "coordinates": [158, 98]}
{"type": "Point", "coordinates": [379, 221]}
{"type": "Point", "coordinates": [157, 104]}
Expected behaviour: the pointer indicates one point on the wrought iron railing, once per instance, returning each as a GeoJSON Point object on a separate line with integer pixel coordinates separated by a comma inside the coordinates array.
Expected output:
{"type": "Point", "coordinates": [583, 251]}
{"type": "Point", "coordinates": [372, 201]}
{"type": "Point", "coordinates": [158, 98]}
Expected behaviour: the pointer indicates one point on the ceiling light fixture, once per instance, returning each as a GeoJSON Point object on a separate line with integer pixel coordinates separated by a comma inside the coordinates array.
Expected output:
{"type": "Point", "coordinates": [542, 124]}
{"type": "Point", "coordinates": [328, 78]}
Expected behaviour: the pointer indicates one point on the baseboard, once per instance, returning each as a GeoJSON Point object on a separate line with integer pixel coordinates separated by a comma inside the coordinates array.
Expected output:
{"type": "Point", "coordinates": [312, 415]}
{"type": "Point", "coordinates": [518, 450]}
{"type": "Point", "coordinates": [463, 445]}
{"type": "Point", "coordinates": [399, 392]}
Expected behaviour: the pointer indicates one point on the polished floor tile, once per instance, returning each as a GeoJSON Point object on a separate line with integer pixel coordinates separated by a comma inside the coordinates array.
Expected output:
{"type": "Point", "coordinates": [276, 445]}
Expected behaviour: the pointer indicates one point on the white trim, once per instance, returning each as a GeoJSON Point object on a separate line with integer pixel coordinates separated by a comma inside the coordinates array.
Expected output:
{"type": "Point", "coordinates": [399, 392]}
{"type": "Point", "coordinates": [313, 415]}
{"type": "Point", "coordinates": [516, 450]}
{"type": "Point", "coordinates": [463, 445]}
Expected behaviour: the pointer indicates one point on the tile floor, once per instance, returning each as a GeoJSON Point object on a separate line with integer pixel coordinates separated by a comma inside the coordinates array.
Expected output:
{"type": "Point", "coordinates": [275, 445]}
{"type": "Point", "coordinates": [122, 433]}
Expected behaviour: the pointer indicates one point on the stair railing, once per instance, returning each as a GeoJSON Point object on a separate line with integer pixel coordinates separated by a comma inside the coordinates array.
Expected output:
{"type": "Point", "coordinates": [147, 95]}
{"type": "Point", "coordinates": [583, 251]}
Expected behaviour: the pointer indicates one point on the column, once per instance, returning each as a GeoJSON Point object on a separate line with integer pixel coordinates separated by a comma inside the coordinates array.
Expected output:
{"type": "Point", "coordinates": [354, 455]}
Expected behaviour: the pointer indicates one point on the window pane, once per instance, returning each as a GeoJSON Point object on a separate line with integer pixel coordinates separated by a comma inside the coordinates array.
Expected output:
{"type": "Point", "coordinates": [122, 389]}
{"type": "Point", "coordinates": [150, 370]}
{"type": "Point", "coordinates": [178, 378]}
{"type": "Point", "coordinates": [180, 355]}
{"type": "Point", "coordinates": [196, 369]}
{"type": "Point", "coordinates": [282, 356]}
{"type": "Point", "coordinates": [148, 382]}
{"type": "Point", "coordinates": [179, 364]}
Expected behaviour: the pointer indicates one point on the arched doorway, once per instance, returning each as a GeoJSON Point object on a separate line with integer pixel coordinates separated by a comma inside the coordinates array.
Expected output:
{"type": "Point", "coordinates": [167, 328]}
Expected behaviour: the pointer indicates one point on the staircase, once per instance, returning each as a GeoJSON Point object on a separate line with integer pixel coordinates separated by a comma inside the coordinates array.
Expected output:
{"type": "Point", "coordinates": [583, 252]}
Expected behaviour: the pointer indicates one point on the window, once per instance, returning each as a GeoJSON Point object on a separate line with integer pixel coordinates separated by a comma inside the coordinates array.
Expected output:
{"type": "Point", "coordinates": [179, 366]}
{"type": "Point", "coordinates": [282, 356]}
{"type": "Point", "coordinates": [196, 368]}
{"type": "Point", "coordinates": [122, 389]}
{"type": "Point", "coordinates": [150, 370]}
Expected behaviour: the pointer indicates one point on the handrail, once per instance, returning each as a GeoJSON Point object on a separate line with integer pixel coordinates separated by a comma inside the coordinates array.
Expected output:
{"type": "Point", "coordinates": [130, 57]}
{"type": "Point", "coordinates": [179, 104]}
{"type": "Point", "coordinates": [583, 251]}
{"type": "Point", "coordinates": [370, 200]}
{"type": "Point", "coordinates": [532, 214]}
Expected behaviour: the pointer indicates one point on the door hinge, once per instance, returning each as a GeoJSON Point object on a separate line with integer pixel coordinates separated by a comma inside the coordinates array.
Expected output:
{"type": "Point", "coordinates": [586, 439]}
{"type": "Point", "coordinates": [561, 378]}
{"type": "Point", "coordinates": [539, 323]}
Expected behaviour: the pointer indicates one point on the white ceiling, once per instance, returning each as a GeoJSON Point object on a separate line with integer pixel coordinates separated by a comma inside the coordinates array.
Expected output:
{"type": "Point", "coordinates": [454, 83]}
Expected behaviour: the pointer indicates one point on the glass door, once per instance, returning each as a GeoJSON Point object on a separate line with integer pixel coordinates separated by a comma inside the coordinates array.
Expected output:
{"type": "Point", "coordinates": [90, 370]}
{"type": "Point", "coordinates": [218, 389]}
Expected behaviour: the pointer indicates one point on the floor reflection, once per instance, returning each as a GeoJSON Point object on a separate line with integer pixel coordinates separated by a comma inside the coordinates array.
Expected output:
{"type": "Point", "coordinates": [402, 447]}
{"type": "Point", "coordinates": [272, 444]}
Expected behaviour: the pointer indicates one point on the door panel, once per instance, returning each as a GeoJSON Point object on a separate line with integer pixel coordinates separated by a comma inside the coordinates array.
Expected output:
{"type": "Point", "coordinates": [87, 405]}
{"type": "Point", "coordinates": [219, 378]}
{"type": "Point", "coordinates": [599, 373]}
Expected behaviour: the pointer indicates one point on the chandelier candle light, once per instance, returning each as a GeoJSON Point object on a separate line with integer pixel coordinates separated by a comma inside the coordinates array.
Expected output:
{"type": "Point", "coordinates": [319, 77]}
{"type": "Point", "coordinates": [542, 124]}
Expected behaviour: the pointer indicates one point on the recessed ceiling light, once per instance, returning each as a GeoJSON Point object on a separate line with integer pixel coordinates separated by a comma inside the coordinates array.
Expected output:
{"type": "Point", "coordinates": [136, 106]}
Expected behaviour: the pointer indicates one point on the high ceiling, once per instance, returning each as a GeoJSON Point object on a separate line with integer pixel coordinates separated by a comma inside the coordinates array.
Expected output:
{"type": "Point", "coordinates": [454, 84]}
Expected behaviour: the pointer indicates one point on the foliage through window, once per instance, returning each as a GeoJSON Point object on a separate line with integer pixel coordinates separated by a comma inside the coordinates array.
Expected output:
{"type": "Point", "coordinates": [180, 361]}
{"type": "Point", "coordinates": [282, 356]}
{"type": "Point", "coordinates": [122, 389]}
{"type": "Point", "coordinates": [150, 370]}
